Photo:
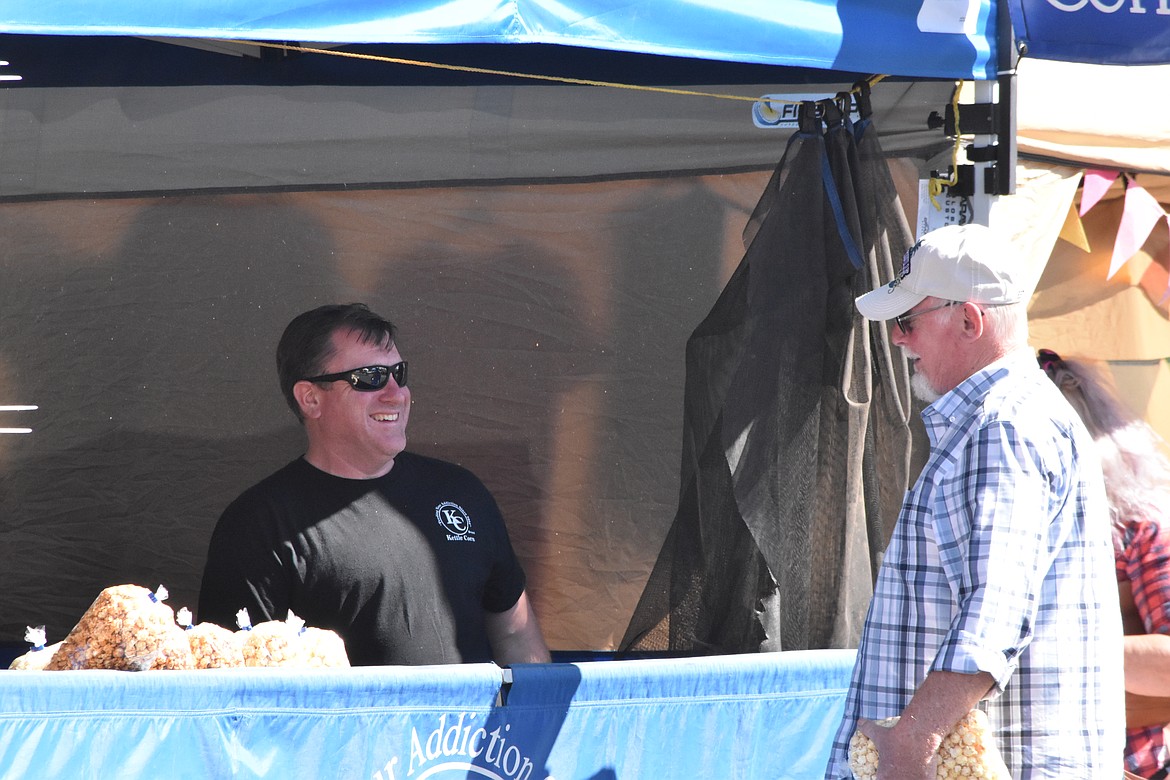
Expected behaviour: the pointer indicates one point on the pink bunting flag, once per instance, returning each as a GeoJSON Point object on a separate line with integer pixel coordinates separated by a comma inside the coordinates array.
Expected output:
{"type": "Point", "coordinates": [1096, 184]}
{"type": "Point", "coordinates": [1142, 211]}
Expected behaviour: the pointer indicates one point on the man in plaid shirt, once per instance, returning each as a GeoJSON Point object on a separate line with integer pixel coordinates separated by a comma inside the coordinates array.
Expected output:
{"type": "Point", "coordinates": [997, 589]}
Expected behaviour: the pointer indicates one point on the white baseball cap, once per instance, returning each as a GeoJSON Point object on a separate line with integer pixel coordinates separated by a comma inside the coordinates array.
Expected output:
{"type": "Point", "coordinates": [954, 263]}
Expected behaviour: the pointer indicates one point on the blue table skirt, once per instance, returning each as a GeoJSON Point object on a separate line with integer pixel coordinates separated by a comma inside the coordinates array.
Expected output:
{"type": "Point", "coordinates": [746, 716]}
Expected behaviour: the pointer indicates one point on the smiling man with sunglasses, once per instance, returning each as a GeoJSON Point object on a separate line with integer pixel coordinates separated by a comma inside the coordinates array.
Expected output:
{"type": "Point", "coordinates": [406, 557]}
{"type": "Point", "coordinates": [997, 590]}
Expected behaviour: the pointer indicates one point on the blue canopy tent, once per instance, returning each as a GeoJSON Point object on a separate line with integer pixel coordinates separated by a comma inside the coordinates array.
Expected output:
{"type": "Point", "coordinates": [929, 39]}
{"type": "Point", "coordinates": [873, 37]}
{"type": "Point", "coordinates": [1101, 33]}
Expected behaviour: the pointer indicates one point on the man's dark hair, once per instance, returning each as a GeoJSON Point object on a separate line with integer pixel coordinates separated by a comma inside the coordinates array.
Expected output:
{"type": "Point", "coordinates": [307, 342]}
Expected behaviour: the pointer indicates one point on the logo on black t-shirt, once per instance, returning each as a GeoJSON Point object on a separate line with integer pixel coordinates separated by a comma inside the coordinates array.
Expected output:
{"type": "Point", "coordinates": [455, 522]}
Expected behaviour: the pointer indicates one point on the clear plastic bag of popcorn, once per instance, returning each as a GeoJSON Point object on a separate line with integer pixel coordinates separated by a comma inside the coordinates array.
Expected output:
{"type": "Point", "coordinates": [212, 646]}
{"type": "Point", "coordinates": [272, 643]}
{"type": "Point", "coordinates": [127, 628]}
{"type": "Point", "coordinates": [39, 656]}
{"type": "Point", "coordinates": [174, 650]}
{"type": "Point", "coordinates": [969, 751]}
{"type": "Point", "coordinates": [324, 649]}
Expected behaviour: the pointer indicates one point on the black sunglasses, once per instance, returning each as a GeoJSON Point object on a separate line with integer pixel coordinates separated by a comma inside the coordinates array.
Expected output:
{"type": "Point", "coordinates": [903, 320]}
{"type": "Point", "coordinates": [367, 378]}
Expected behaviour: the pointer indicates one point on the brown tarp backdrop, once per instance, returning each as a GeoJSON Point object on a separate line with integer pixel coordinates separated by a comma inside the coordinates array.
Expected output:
{"type": "Point", "coordinates": [544, 325]}
{"type": "Point", "coordinates": [545, 251]}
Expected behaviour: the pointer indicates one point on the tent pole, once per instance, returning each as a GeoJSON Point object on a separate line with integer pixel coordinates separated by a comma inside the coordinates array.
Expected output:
{"type": "Point", "coordinates": [1007, 57]}
{"type": "Point", "coordinates": [994, 149]}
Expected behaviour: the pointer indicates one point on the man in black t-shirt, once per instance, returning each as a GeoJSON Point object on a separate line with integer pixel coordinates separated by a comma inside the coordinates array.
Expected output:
{"type": "Point", "coordinates": [406, 557]}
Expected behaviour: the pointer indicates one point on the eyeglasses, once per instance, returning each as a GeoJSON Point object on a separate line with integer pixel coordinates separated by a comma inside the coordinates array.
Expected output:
{"type": "Point", "coordinates": [367, 379]}
{"type": "Point", "coordinates": [903, 320]}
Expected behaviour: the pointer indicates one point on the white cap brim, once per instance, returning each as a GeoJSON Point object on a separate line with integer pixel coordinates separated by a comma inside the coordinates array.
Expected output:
{"type": "Point", "coordinates": [887, 302]}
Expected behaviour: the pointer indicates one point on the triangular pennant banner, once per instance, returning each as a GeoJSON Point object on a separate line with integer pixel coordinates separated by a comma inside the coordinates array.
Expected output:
{"type": "Point", "coordinates": [1097, 183]}
{"type": "Point", "coordinates": [1142, 211]}
{"type": "Point", "coordinates": [1073, 230]}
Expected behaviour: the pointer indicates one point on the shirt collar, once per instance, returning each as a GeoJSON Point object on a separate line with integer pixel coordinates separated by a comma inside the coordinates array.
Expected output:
{"type": "Point", "coordinates": [962, 401]}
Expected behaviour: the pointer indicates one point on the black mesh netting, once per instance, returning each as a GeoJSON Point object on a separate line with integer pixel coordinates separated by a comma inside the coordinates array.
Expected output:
{"type": "Point", "coordinates": [796, 441]}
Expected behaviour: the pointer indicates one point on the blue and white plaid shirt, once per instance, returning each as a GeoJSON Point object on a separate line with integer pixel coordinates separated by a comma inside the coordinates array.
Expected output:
{"type": "Point", "coordinates": [1002, 562]}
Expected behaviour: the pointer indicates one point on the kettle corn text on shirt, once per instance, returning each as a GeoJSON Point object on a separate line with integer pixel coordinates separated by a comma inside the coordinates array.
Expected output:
{"type": "Point", "coordinates": [1002, 562]}
{"type": "Point", "coordinates": [402, 566]}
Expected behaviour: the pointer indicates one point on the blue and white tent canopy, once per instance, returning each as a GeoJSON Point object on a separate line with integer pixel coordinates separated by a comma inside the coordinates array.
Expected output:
{"type": "Point", "coordinates": [913, 38]}
{"type": "Point", "coordinates": [1102, 32]}
{"type": "Point", "coordinates": [899, 37]}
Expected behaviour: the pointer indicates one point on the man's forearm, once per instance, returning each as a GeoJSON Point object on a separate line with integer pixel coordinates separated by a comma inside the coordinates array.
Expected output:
{"type": "Point", "coordinates": [939, 703]}
{"type": "Point", "coordinates": [515, 635]}
{"type": "Point", "coordinates": [1147, 664]}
